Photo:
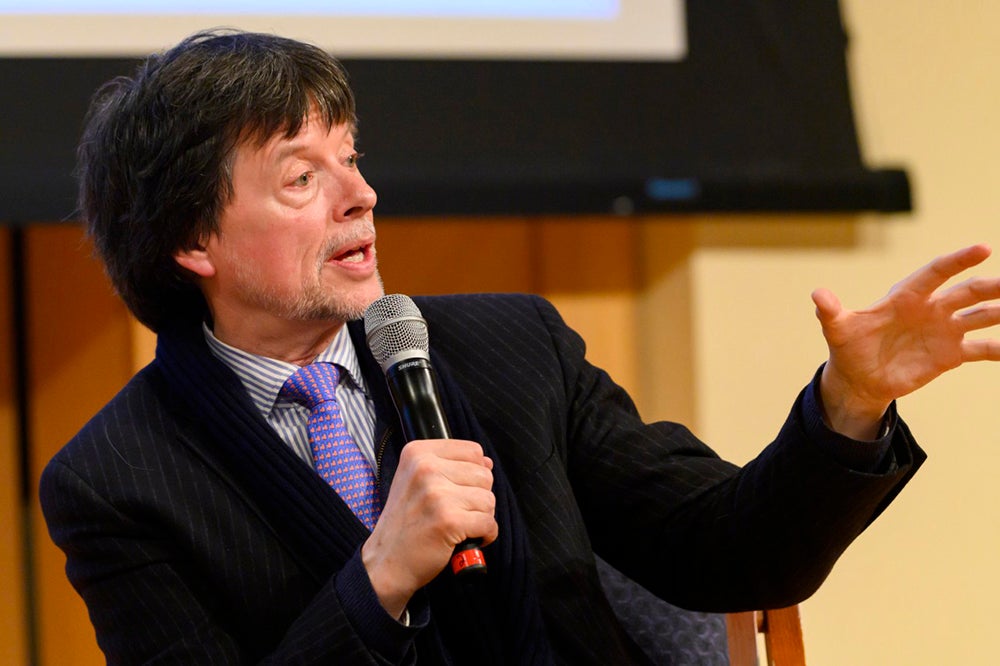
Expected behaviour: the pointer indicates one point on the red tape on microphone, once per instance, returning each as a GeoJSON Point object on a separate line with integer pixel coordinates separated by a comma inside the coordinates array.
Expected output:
{"type": "Point", "coordinates": [467, 561]}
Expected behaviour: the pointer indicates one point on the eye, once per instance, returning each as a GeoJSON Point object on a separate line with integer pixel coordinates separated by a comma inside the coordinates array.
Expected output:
{"type": "Point", "coordinates": [353, 160]}
{"type": "Point", "coordinates": [302, 180]}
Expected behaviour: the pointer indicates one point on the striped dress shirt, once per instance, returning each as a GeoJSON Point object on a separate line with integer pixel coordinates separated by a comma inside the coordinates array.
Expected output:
{"type": "Point", "coordinates": [263, 378]}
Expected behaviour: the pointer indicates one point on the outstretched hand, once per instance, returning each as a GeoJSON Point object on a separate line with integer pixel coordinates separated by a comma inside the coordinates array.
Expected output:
{"type": "Point", "coordinates": [904, 340]}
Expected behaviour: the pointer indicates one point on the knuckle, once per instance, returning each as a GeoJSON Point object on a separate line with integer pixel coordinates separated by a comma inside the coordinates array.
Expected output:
{"type": "Point", "coordinates": [424, 467]}
{"type": "Point", "coordinates": [471, 447]}
{"type": "Point", "coordinates": [435, 500]}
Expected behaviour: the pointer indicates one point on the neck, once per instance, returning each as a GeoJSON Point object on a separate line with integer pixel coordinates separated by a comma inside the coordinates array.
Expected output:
{"type": "Point", "coordinates": [297, 342]}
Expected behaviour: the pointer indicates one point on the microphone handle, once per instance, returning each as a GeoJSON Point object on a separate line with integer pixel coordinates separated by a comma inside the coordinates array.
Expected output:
{"type": "Point", "coordinates": [413, 386]}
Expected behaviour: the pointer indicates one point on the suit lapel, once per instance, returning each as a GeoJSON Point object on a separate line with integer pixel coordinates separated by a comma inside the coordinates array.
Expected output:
{"type": "Point", "coordinates": [388, 435]}
{"type": "Point", "coordinates": [303, 511]}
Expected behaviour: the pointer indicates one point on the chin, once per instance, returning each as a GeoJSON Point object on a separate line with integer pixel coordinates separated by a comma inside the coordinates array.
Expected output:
{"type": "Point", "coordinates": [352, 305]}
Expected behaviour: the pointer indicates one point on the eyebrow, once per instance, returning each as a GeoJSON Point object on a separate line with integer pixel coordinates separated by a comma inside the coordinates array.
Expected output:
{"type": "Point", "coordinates": [293, 146]}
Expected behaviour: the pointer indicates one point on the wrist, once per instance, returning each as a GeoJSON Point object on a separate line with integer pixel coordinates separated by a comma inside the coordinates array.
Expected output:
{"type": "Point", "coordinates": [384, 635]}
{"type": "Point", "coordinates": [848, 411]}
{"type": "Point", "coordinates": [387, 580]}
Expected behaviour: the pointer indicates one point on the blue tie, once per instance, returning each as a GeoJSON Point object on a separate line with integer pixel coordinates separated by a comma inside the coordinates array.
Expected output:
{"type": "Point", "coordinates": [336, 456]}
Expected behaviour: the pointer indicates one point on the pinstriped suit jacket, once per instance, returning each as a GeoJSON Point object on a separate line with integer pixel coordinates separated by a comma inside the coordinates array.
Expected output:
{"type": "Point", "coordinates": [181, 559]}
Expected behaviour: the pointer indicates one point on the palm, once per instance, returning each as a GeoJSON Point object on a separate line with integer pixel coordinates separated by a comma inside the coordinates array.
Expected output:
{"type": "Point", "coordinates": [915, 332]}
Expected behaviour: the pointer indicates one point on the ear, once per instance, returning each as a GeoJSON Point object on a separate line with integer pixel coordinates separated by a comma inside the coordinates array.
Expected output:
{"type": "Point", "coordinates": [197, 260]}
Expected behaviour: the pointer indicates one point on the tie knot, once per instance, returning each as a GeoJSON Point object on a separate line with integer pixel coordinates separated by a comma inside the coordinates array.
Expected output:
{"type": "Point", "coordinates": [312, 384]}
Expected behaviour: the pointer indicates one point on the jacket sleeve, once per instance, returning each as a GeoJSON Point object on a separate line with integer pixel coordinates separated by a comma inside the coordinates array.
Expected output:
{"type": "Point", "coordinates": [152, 601]}
{"type": "Point", "coordinates": [666, 510]}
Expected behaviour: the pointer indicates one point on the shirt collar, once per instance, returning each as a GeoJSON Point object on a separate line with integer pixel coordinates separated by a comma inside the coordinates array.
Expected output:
{"type": "Point", "coordinates": [263, 376]}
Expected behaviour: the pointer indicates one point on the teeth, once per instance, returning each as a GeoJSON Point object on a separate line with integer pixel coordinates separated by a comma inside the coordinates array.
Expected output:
{"type": "Point", "coordinates": [354, 257]}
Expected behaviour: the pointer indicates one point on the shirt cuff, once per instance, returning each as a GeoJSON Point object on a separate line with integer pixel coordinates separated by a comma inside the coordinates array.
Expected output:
{"type": "Point", "coordinates": [381, 632]}
{"type": "Point", "coordinates": [861, 456]}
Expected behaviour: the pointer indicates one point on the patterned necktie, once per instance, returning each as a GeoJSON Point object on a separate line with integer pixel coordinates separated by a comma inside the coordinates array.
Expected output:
{"type": "Point", "coordinates": [336, 456]}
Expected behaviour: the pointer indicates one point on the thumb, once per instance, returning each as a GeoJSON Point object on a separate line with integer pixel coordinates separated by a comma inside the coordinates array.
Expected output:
{"type": "Point", "coordinates": [827, 305]}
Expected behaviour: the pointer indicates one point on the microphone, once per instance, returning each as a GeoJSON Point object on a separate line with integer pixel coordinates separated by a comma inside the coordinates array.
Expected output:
{"type": "Point", "coordinates": [397, 336]}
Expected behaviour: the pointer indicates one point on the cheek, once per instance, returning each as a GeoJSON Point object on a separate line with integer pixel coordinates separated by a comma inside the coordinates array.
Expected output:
{"type": "Point", "coordinates": [287, 263]}
{"type": "Point", "coordinates": [282, 247]}
{"type": "Point", "coordinates": [262, 261]}
{"type": "Point", "coordinates": [276, 242]}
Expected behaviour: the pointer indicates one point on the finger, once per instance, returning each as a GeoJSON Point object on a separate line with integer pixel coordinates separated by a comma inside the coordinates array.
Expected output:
{"type": "Point", "coordinates": [480, 501]}
{"type": "Point", "coordinates": [971, 292]}
{"type": "Point", "coordinates": [486, 530]}
{"type": "Point", "coordinates": [927, 279]}
{"type": "Point", "coordinates": [981, 350]}
{"type": "Point", "coordinates": [467, 474]}
{"type": "Point", "coordinates": [978, 318]}
{"type": "Point", "coordinates": [463, 515]}
{"type": "Point", "coordinates": [480, 519]}
{"type": "Point", "coordinates": [450, 449]}
{"type": "Point", "coordinates": [827, 305]}
{"type": "Point", "coordinates": [463, 450]}
{"type": "Point", "coordinates": [428, 469]}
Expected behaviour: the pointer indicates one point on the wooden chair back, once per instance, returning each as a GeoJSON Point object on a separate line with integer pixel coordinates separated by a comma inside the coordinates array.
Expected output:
{"type": "Point", "coordinates": [782, 630]}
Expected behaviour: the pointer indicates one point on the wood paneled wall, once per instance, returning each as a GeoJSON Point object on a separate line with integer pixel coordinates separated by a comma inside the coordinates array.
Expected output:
{"type": "Point", "coordinates": [83, 346]}
{"type": "Point", "coordinates": [78, 343]}
{"type": "Point", "coordinates": [13, 602]}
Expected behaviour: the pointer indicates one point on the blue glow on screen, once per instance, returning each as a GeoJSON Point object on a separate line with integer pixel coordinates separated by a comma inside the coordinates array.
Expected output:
{"type": "Point", "coordinates": [507, 9]}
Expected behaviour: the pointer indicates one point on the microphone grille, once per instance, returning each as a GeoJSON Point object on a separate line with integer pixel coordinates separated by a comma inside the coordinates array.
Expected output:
{"type": "Point", "coordinates": [395, 330]}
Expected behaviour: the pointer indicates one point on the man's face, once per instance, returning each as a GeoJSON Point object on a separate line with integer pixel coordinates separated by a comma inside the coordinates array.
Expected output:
{"type": "Point", "coordinates": [297, 240]}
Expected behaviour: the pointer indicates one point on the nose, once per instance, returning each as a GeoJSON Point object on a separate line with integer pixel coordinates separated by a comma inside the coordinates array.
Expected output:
{"type": "Point", "coordinates": [358, 198]}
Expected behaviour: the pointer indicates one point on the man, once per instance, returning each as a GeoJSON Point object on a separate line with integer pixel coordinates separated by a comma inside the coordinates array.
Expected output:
{"type": "Point", "coordinates": [222, 191]}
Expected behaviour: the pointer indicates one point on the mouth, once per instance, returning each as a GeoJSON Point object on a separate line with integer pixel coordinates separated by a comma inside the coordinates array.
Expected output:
{"type": "Point", "coordinates": [353, 256]}
{"type": "Point", "coordinates": [355, 253]}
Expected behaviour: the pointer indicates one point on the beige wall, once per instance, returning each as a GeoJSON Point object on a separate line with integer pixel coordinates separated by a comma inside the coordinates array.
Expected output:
{"type": "Point", "coordinates": [718, 331]}
{"type": "Point", "coordinates": [922, 586]}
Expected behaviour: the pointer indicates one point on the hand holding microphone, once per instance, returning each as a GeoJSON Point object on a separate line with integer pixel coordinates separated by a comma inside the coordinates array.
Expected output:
{"type": "Point", "coordinates": [397, 336]}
